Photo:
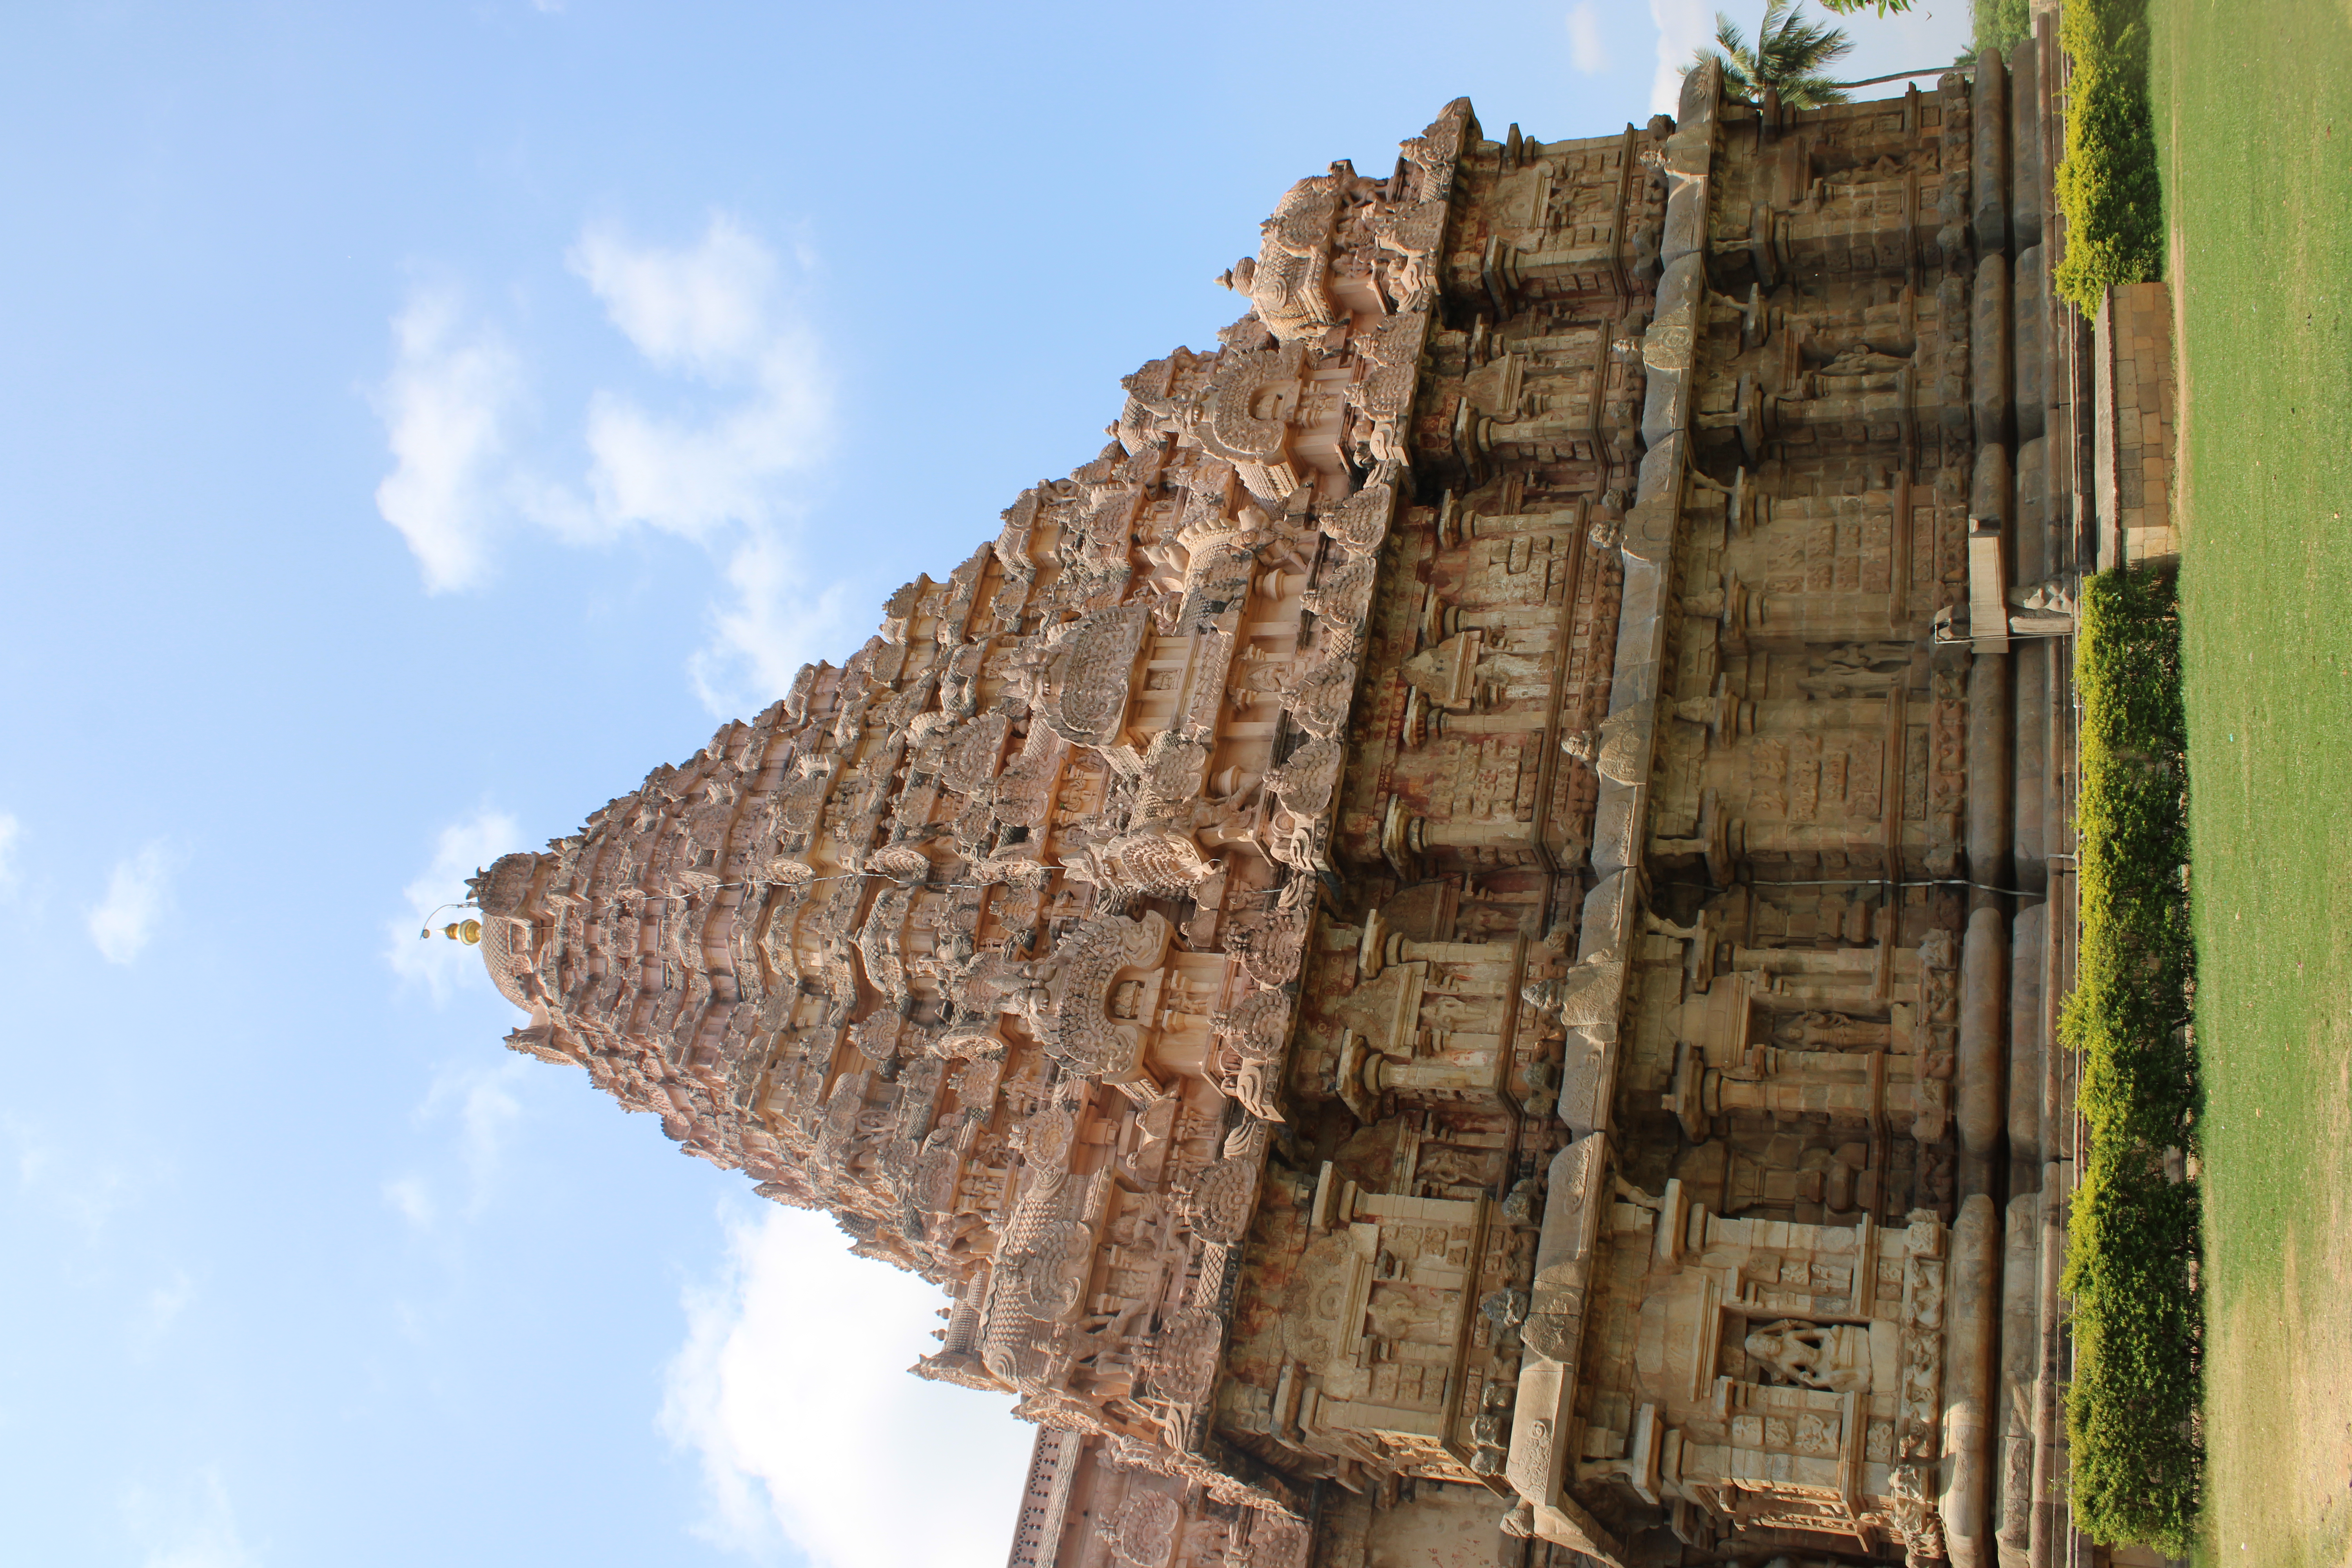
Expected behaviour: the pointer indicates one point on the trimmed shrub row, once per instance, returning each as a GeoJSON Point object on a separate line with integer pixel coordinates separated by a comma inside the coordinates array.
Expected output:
{"type": "Point", "coordinates": [2107, 184]}
{"type": "Point", "coordinates": [2132, 1241]}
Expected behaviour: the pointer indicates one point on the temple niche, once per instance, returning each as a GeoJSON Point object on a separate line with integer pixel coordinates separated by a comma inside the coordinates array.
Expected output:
{"type": "Point", "coordinates": [1423, 948]}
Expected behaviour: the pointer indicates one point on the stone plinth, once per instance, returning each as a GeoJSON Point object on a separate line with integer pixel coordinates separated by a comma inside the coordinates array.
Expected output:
{"type": "Point", "coordinates": [2134, 452]}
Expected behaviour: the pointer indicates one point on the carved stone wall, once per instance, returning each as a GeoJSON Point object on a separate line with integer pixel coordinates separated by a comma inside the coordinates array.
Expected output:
{"type": "Point", "coordinates": [1431, 926]}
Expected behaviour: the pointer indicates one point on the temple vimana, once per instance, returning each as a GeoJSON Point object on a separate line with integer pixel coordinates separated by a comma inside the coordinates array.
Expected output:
{"type": "Point", "coordinates": [1442, 952]}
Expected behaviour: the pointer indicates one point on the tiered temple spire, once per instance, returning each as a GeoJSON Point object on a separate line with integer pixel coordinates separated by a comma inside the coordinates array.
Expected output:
{"type": "Point", "coordinates": [1381, 942]}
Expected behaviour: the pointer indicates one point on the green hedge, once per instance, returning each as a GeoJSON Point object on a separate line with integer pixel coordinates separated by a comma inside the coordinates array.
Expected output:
{"type": "Point", "coordinates": [2107, 184]}
{"type": "Point", "coordinates": [2131, 1238]}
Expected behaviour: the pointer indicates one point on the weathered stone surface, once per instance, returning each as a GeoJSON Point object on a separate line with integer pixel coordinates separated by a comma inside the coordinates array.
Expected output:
{"type": "Point", "coordinates": [1666, 406]}
{"type": "Point", "coordinates": [2025, 151]}
{"type": "Point", "coordinates": [2133, 427]}
{"type": "Point", "coordinates": [2030, 769]}
{"type": "Point", "coordinates": [2028, 1040]}
{"type": "Point", "coordinates": [1992, 383]}
{"type": "Point", "coordinates": [1989, 168]}
{"type": "Point", "coordinates": [1971, 1325]}
{"type": "Point", "coordinates": [1992, 814]}
{"type": "Point", "coordinates": [1616, 827]}
{"type": "Point", "coordinates": [1641, 641]}
{"type": "Point", "coordinates": [1992, 489]}
{"type": "Point", "coordinates": [1980, 1088]}
{"type": "Point", "coordinates": [1609, 912]}
{"type": "Point", "coordinates": [2029, 559]}
{"type": "Point", "coordinates": [1685, 232]}
{"type": "Point", "coordinates": [1701, 99]}
{"type": "Point", "coordinates": [1954, 204]}
{"type": "Point", "coordinates": [2012, 1479]}
{"type": "Point", "coordinates": [2029, 316]}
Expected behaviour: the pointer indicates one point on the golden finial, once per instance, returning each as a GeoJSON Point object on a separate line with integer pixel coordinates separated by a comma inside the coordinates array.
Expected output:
{"type": "Point", "coordinates": [467, 931]}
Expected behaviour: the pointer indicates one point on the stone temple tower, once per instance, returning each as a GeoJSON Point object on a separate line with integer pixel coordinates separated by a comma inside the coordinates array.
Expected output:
{"type": "Point", "coordinates": [1421, 949]}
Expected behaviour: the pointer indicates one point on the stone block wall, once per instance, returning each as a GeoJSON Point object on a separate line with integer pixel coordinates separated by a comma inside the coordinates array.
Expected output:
{"type": "Point", "coordinates": [2136, 430]}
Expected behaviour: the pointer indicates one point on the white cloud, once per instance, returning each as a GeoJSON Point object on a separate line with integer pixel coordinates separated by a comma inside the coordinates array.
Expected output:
{"type": "Point", "coordinates": [69, 1176]}
{"type": "Point", "coordinates": [1683, 26]}
{"type": "Point", "coordinates": [137, 896]}
{"type": "Point", "coordinates": [709, 309]}
{"type": "Point", "coordinates": [444, 407]}
{"type": "Point", "coordinates": [478, 1097]}
{"type": "Point", "coordinates": [692, 478]}
{"type": "Point", "coordinates": [750, 414]}
{"type": "Point", "coordinates": [481, 1097]}
{"type": "Point", "coordinates": [715, 313]}
{"type": "Point", "coordinates": [792, 1388]}
{"type": "Point", "coordinates": [195, 1529]}
{"type": "Point", "coordinates": [772, 627]}
{"type": "Point", "coordinates": [462, 849]}
{"type": "Point", "coordinates": [11, 831]}
{"type": "Point", "coordinates": [1584, 43]}
{"type": "Point", "coordinates": [412, 1199]}
{"type": "Point", "coordinates": [161, 1309]}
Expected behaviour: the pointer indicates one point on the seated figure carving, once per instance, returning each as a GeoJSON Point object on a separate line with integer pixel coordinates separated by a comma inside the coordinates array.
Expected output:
{"type": "Point", "coordinates": [1834, 1356]}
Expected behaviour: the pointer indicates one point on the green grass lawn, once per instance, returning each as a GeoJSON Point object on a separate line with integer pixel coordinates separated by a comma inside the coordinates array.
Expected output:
{"type": "Point", "coordinates": [2253, 121]}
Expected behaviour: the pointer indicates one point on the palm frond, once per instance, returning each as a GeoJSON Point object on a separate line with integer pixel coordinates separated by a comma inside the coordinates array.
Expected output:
{"type": "Point", "coordinates": [1791, 55]}
{"type": "Point", "coordinates": [1739, 63]}
{"type": "Point", "coordinates": [1727, 36]}
{"type": "Point", "coordinates": [1810, 92]}
{"type": "Point", "coordinates": [1798, 48]}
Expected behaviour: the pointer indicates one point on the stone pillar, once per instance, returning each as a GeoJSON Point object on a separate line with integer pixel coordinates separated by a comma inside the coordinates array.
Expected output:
{"type": "Point", "coordinates": [1952, 199]}
{"type": "Point", "coordinates": [2019, 1343]}
{"type": "Point", "coordinates": [1808, 1091]}
{"type": "Point", "coordinates": [1500, 956]}
{"type": "Point", "coordinates": [1989, 165]}
{"type": "Point", "coordinates": [2026, 1045]}
{"type": "Point", "coordinates": [1991, 387]}
{"type": "Point", "coordinates": [1428, 1076]}
{"type": "Point", "coordinates": [1992, 490]}
{"type": "Point", "coordinates": [2032, 540]}
{"type": "Point", "coordinates": [1954, 292]}
{"type": "Point", "coordinates": [1991, 812]}
{"type": "Point", "coordinates": [2031, 545]}
{"type": "Point", "coordinates": [2024, 147]}
{"type": "Point", "coordinates": [1970, 1322]}
{"type": "Point", "coordinates": [2029, 846]}
{"type": "Point", "coordinates": [1481, 834]}
{"type": "Point", "coordinates": [1991, 500]}
{"type": "Point", "coordinates": [2044, 1544]}
{"type": "Point", "coordinates": [1980, 1092]}
{"type": "Point", "coordinates": [2029, 318]}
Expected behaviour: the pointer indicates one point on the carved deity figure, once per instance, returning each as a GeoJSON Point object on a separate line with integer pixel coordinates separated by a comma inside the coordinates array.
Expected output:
{"type": "Point", "coordinates": [1834, 1356]}
{"type": "Point", "coordinates": [1451, 1012]}
{"type": "Point", "coordinates": [1860, 362]}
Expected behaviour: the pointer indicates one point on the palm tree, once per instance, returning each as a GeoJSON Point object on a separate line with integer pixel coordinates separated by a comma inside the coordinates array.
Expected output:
{"type": "Point", "coordinates": [1790, 57]}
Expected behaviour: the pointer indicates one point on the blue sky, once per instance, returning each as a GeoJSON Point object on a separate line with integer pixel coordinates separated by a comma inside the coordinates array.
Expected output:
{"type": "Point", "coordinates": [421, 420]}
